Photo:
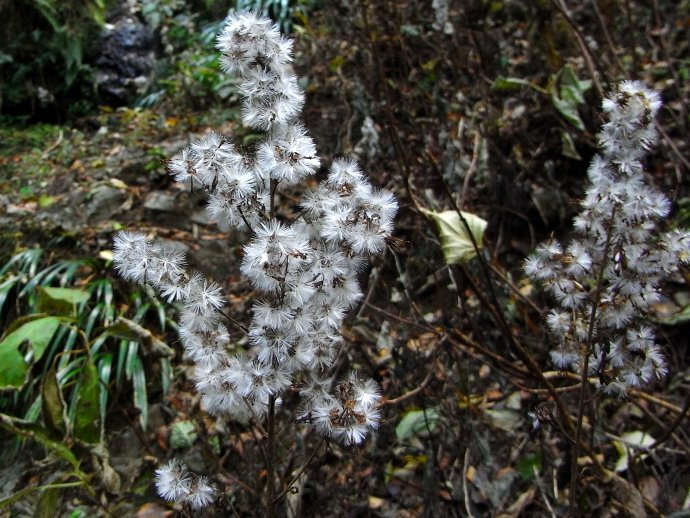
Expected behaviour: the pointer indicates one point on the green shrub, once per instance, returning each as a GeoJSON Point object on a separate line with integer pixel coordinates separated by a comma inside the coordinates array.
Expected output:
{"type": "Point", "coordinates": [43, 44]}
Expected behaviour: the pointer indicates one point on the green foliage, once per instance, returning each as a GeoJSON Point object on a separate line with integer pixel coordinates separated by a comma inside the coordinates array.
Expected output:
{"type": "Point", "coordinates": [283, 12]}
{"type": "Point", "coordinates": [418, 423]}
{"type": "Point", "coordinates": [68, 344]}
{"type": "Point", "coordinates": [43, 44]}
{"type": "Point", "coordinates": [461, 234]}
{"type": "Point", "coordinates": [565, 90]}
{"type": "Point", "coordinates": [567, 93]}
{"type": "Point", "coordinates": [37, 333]}
{"type": "Point", "coordinates": [182, 434]}
{"type": "Point", "coordinates": [188, 73]}
{"type": "Point", "coordinates": [29, 430]}
{"type": "Point", "coordinates": [529, 465]}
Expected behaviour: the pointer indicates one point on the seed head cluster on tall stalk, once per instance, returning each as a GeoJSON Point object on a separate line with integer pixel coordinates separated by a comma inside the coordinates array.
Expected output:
{"type": "Point", "coordinates": [305, 270]}
{"type": "Point", "coordinates": [607, 279]}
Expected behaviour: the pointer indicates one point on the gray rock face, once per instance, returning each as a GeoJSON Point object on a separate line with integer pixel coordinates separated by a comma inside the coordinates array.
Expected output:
{"type": "Point", "coordinates": [103, 203]}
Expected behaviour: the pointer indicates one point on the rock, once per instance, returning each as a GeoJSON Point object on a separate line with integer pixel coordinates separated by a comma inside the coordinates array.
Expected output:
{"type": "Point", "coordinates": [215, 259]}
{"type": "Point", "coordinates": [161, 201]}
{"type": "Point", "coordinates": [126, 456]}
{"type": "Point", "coordinates": [200, 217]}
{"type": "Point", "coordinates": [126, 61]}
{"type": "Point", "coordinates": [67, 213]}
{"type": "Point", "coordinates": [103, 203]}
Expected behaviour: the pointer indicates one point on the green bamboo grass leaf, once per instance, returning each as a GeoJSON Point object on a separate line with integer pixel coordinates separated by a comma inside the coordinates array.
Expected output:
{"type": "Point", "coordinates": [123, 347]}
{"type": "Point", "coordinates": [26, 262]}
{"type": "Point", "coordinates": [456, 242]}
{"type": "Point", "coordinates": [52, 404]}
{"type": "Point", "coordinates": [67, 347]}
{"type": "Point", "coordinates": [87, 422]}
{"type": "Point", "coordinates": [15, 497]}
{"type": "Point", "coordinates": [92, 319]}
{"type": "Point", "coordinates": [39, 434]}
{"type": "Point", "coordinates": [37, 332]}
{"type": "Point", "coordinates": [105, 364]}
{"type": "Point", "coordinates": [6, 287]}
{"type": "Point", "coordinates": [140, 397]}
{"type": "Point", "coordinates": [166, 374]}
{"type": "Point", "coordinates": [131, 360]}
{"type": "Point", "coordinates": [61, 301]}
{"type": "Point", "coordinates": [34, 411]}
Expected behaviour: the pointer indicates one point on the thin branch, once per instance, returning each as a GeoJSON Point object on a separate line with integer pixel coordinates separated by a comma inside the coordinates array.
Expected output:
{"type": "Point", "coordinates": [409, 394]}
{"type": "Point", "coordinates": [289, 486]}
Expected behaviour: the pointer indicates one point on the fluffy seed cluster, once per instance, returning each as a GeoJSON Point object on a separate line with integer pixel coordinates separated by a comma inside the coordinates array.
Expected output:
{"type": "Point", "coordinates": [613, 268]}
{"type": "Point", "coordinates": [175, 483]}
{"type": "Point", "coordinates": [305, 271]}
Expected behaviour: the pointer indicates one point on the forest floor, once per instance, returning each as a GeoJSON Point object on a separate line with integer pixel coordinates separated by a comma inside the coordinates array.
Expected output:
{"type": "Point", "coordinates": [440, 120]}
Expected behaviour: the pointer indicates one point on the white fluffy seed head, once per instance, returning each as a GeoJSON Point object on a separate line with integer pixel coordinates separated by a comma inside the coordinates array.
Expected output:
{"type": "Point", "coordinates": [304, 271]}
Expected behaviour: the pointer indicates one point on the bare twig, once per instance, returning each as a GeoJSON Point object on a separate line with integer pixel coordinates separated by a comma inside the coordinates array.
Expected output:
{"type": "Point", "coordinates": [472, 167]}
{"type": "Point", "coordinates": [465, 490]}
{"type": "Point", "coordinates": [409, 394]}
{"type": "Point", "coordinates": [304, 466]}
{"type": "Point", "coordinates": [53, 146]}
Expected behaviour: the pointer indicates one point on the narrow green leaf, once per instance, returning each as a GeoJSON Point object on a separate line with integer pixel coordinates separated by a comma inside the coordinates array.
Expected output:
{"type": "Point", "coordinates": [39, 434]}
{"type": "Point", "coordinates": [47, 503]}
{"type": "Point", "coordinates": [508, 83]}
{"type": "Point", "coordinates": [87, 418]}
{"type": "Point", "coordinates": [166, 374]}
{"type": "Point", "coordinates": [6, 287]}
{"type": "Point", "coordinates": [34, 410]}
{"type": "Point", "coordinates": [140, 398]}
{"type": "Point", "coordinates": [456, 242]}
{"type": "Point", "coordinates": [52, 405]}
{"type": "Point", "coordinates": [104, 372]}
{"type": "Point", "coordinates": [132, 359]}
{"type": "Point", "coordinates": [123, 348]}
{"type": "Point", "coordinates": [67, 347]}
{"type": "Point", "coordinates": [15, 497]}
{"type": "Point", "coordinates": [26, 262]}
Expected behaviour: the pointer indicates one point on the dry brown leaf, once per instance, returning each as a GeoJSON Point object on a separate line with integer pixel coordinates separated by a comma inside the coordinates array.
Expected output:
{"type": "Point", "coordinates": [522, 502]}
{"type": "Point", "coordinates": [153, 510]}
{"type": "Point", "coordinates": [626, 495]}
